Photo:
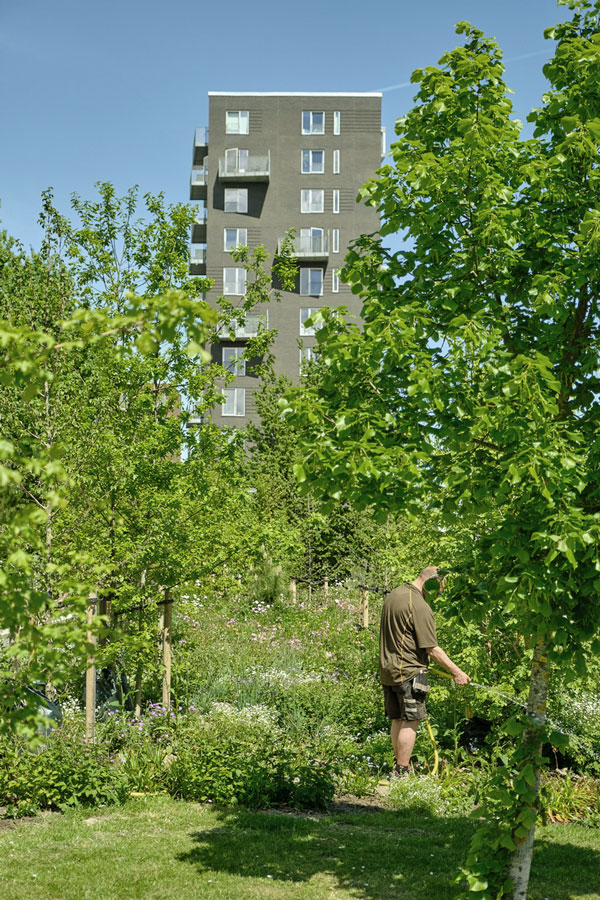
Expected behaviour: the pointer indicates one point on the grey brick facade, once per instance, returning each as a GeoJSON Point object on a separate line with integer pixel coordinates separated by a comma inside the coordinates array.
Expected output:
{"type": "Point", "coordinates": [256, 144]}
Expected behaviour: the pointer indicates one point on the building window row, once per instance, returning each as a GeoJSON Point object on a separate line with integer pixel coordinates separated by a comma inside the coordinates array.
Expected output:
{"type": "Point", "coordinates": [312, 240]}
{"type": "Point", "coordinates": [314, 122]}
{"type": "Point", "coordinates": [235, 397]}
{"type": "Point", "coordinates": [312, 200]}
{"type": "Point", "coordinates": [237, 121]}
{"type": "Point", "coordinates": [311, 281]}
{"type": "Point", "coordinates": [312, 162]}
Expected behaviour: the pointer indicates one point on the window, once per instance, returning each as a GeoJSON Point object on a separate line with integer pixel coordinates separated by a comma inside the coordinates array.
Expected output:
{"type": "Point", "coordinates": [313, 162]}
{"type": "Point", "coordinates": [335, 240]}
{"type": "Point", "coordinates": [312, 240]}
{"type": "Point", "coordinates": [313, 122]}
{"type": "Point", "coordinates": [234, 361]}
{"type": "Point", "coordinates": [305, 313]}
{"type": "Point", "coordinates": [237, 121]}
{"type": "Point", "coordinates": [235, 402]}
{"type": "Point", "coordinates": [234, 280]}
{"type": "Point", "coordinates": [312, 201]}
{"type": "Point", "coordinates": [307, 355]}
{"type": "Point", "coordinates": [236, 200]}
{"type": "Point", "coordinates": [336, 162]}
{"type": "Point", "coordinates": [336, 201]}
{"type": "Point", "coordinates": [311, 282]}
{"type": "Point", "coordinates": [337, 117]}
{"type": "Point", "coordinates": [254, 323]}
{"type": "Point", "coordinates": [335, 281]}
{"type": "Point", "coordinates": [250, 327]}
{"type": "Point", "coordinates": [236, 161]}
{"type": "Point", "coordinates": [235, 237]}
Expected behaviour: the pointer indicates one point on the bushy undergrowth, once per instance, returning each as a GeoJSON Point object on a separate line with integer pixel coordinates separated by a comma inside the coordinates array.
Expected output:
{"type": "Point", "coordinates": [65, 774]}
{"type": "Point", "coordinates": [225, 757]}
{"type": "Point", "coordinates": [280, 703]}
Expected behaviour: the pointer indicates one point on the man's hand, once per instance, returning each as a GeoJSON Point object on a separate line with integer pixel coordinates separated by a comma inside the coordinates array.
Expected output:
{"type": "Point", "coordinates": [439, 656]}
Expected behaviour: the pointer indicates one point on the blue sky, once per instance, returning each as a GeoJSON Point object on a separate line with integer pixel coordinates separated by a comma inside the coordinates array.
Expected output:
{"type": "Point", "coordinates": [112, 91]}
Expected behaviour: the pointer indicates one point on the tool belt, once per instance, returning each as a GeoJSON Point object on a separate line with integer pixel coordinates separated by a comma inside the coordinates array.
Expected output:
{"type": "Point", "coordinates": [421, 682]}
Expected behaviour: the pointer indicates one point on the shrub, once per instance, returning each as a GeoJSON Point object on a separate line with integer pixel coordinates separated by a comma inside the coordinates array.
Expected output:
{"type": "Point", "coordinates": [566, 797]}
{"type": "Point", "coordinates": [63, 774]}
{"type": "Point", "coordinates": [242, 757]}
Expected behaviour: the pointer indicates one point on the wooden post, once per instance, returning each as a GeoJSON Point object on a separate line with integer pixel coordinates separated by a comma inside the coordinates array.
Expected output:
{"type": "Point", "coordinates": [364, 608]}
{"type": "Point", "coordinates": [167, 629]}
{"type": "Point", "coordinates": [326, 589]}
{"type": "Point", "coordinates": [90, 676]}
{"type": "Point", "coordinates": [293, 589]}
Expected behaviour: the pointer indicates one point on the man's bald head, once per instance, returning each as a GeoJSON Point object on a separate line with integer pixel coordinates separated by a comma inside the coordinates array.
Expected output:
{"type": "Point", "coordinates": [429, 573]}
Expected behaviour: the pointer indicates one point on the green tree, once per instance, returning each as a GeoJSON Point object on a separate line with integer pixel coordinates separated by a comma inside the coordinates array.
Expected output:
{"type": "Point", "coordinates": [474, 383]}
{"type": "Point", "coordinates": [38, 367]}
{"type": "Point", "coordinates": [151, 501]}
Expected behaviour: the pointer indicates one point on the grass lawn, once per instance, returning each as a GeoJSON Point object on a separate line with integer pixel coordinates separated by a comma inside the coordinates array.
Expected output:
{"type": "Point", "coordinates": [160, 849]}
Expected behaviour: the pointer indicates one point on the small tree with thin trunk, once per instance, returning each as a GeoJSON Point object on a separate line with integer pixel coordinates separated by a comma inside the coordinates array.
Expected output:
{"type": "Point", "coordinates": [474, 382]}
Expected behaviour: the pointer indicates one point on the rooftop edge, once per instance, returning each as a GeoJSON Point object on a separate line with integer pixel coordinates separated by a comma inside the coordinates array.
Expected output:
{"type": "Point", "coordinates": [294, 94]}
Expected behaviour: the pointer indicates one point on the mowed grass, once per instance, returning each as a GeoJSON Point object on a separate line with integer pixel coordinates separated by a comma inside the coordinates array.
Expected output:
{"type": "Point", "coordinates": [160, 849]}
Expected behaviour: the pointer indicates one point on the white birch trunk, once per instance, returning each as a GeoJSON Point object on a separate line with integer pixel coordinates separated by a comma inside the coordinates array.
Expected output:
{"type": "Point", "coordinates": [520, 863]}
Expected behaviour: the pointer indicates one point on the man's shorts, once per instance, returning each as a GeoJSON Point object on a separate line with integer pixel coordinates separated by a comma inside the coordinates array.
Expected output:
{"type": "Point", "coordinates": [403, 702]}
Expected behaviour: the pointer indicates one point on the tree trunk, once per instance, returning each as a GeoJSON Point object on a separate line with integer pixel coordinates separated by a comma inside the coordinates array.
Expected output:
{"type": "Point", "coordinates": [520, 863]}
{"type": "Point", "coordinates": [139, 672]}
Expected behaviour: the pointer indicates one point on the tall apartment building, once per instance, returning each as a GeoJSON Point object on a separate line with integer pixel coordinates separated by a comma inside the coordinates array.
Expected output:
{"type": "Point", "coordinates": [277, 161]}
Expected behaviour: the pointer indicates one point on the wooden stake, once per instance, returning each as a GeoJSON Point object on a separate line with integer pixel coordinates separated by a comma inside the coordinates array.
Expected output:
{"type": "Point", "coordinates": [293, 589]}
{"type": "Point", "coordinates": [325, 589]}
{"type": "Point", "coordinates": [90, 677]}
{"type": "Point", "coordinates": [364, 608]}
{"type": "Point", "coordinates": [167, 629]}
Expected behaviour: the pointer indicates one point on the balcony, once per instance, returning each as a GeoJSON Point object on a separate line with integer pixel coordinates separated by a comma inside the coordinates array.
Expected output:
{"type": "Point", "coordinates": [312, 247]}
{"type": "Point", "coordinates": [198, 183]}
{"type": "Point", "coordinates": [200, 145]}
{"type": "Point", "coordinates": [253, 324]}
{"type": "Point", "coordinates": [237, 165]}
{"type": "Point", "coordinates": [199, 227]}
{"type": "Point", "coordinates": [198, 261]}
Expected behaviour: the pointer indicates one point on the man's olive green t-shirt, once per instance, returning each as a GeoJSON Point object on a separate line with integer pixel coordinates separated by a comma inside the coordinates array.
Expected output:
{"type": "Point", "coordinates": [407, 629]}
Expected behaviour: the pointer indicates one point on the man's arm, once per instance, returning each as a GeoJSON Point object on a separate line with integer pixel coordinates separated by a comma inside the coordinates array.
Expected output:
{"type": "Point", "coordinates": [438, 656]}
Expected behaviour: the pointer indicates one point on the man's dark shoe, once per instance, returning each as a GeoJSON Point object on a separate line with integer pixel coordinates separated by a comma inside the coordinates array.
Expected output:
{"type": "Point", "coordinates": [400, 772]}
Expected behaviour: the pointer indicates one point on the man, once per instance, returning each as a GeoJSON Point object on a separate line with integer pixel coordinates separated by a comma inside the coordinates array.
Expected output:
{"type": "Point", "coordinates": [407, 641]}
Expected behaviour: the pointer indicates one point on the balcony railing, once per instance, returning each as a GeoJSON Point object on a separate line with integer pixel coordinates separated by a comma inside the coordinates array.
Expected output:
{"type": "Point", "coordinates": [200, 144]}
{"type": "Point", "coordinates": [198, 255]}
{"type": "Point", "coordinates": [250, 168]}
{"type": "Point", "coordinates": [199, 176]}
{"type": "Point", "coordinates": [198, 183]}
{"type": "Point", "coordinates": [201, 136]}
{"type": "Point", "coordinates": [251, 327]}
{"type": "Point", "coordinates": [199, 226]}
{"type": "Point", "coordinates": [198, 261]}
{"type": "Point", "coordinates": [312, 247]}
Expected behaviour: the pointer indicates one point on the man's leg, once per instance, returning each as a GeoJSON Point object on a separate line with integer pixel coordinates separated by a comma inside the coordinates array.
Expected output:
{"type": "Point", "coordinates": [403, 740]}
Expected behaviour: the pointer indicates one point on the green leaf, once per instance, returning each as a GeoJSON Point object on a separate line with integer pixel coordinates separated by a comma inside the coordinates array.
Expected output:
{"type": "Point", "coordinates": [513, 727]}
{"type": "Point", "coordinates": [299, 472]}
{"type": "Point", "coordinates": [146, 343]}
